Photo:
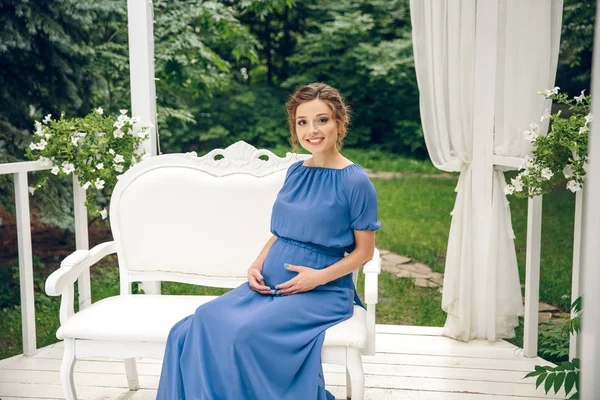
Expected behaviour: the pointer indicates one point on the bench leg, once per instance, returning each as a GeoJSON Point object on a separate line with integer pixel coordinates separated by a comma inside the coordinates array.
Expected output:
{"type": "Point", "coordinates": [355, 373]}
{"type": "Point", "coordinates": [132, 376]}
{"type": "Point", "coordinates": [348, 385]}
{"type": "Point", "coordinates": [66, 370]}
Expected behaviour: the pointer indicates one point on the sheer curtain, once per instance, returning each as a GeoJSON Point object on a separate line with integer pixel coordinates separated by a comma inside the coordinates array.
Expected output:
{"type": "Point", "coordinates": [444, 48]}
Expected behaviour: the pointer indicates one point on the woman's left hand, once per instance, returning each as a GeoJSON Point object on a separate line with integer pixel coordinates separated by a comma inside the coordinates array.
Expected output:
{"type": "Point", "coordinates": [307, 279]}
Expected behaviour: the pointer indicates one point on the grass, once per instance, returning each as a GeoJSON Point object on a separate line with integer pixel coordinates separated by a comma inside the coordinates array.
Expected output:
{"type": "Point", "coordinates": [415, 216]}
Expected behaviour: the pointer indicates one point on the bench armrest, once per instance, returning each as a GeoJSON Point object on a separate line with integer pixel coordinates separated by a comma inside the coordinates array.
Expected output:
{"type": "Point", "coordinates": [371, 270]}
{"type": "Point", "coordinates": [61, 282]}
{"type": "Point", "coordinates": [72, 266]}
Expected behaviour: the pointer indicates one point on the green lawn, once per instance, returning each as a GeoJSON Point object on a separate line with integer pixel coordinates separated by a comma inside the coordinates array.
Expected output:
{"type": "Point", "coordinates": [415, 216]}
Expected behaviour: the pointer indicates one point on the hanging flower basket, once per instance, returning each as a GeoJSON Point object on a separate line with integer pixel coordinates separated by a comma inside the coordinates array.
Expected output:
{"type": "Point", "coordinates": [559, 155]}
{"type": "Point", "coordinates": [97, 148]}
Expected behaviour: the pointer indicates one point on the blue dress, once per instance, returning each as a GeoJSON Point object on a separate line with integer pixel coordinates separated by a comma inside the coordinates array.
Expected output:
{"type": "Point", "coordinates": [247, 346]}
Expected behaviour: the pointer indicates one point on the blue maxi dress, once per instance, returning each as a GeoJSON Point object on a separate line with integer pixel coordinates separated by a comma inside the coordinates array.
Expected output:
{"type": "Point", "coordinates": [247, 346]}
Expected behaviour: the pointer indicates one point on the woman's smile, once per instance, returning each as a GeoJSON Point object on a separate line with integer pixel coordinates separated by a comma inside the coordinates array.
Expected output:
{"type": "Point", "coordinates": [315, 141]}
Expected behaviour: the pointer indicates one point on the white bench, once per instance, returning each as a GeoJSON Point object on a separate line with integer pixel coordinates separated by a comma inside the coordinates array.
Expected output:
{"type": "Point", "coordinates": [195, 220]}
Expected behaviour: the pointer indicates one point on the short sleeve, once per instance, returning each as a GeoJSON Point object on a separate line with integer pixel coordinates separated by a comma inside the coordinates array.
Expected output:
{"type": "Point", "coordinates": [363, 202]}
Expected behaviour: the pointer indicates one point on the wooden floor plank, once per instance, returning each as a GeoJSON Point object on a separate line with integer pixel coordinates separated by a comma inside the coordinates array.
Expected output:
{"type": "Point", "coordinates": [411, 363]}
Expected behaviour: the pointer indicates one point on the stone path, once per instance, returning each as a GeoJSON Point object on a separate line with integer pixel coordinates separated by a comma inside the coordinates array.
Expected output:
{"type": "Point", "coordinates": [403, 267]}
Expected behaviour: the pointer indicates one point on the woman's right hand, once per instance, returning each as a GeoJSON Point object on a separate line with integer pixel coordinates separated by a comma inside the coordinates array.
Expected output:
{"type": "Point", "coordinates": [256, 281]}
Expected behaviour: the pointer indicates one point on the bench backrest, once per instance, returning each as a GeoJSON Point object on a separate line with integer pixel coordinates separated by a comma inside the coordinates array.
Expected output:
{"type": "Point", "coordinates": [193, 219]}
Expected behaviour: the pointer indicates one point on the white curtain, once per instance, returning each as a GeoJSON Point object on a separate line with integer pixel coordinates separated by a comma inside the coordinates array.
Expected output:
{"type": "Point", "coordinates": [482, 301]}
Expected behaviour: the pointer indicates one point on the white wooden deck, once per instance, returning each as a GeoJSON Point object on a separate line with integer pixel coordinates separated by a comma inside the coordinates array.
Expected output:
{"type": "Point", "coordinates": [411, 363]}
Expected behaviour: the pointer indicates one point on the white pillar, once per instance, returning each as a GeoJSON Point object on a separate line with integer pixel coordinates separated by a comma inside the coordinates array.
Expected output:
{"type": "Point", "coordinates": [483, 152]}
{"type": "Point", "coordinates": [25, 263]}
{"type": "Point", "coordinates": [82, 242]}
{"type": "Point", "coordinates": [140, 21]}
{"type": "Point", "coordinates": [590, 238]}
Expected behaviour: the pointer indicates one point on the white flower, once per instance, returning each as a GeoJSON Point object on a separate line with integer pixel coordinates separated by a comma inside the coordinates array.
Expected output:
{"type": "Point", "coordinates": [42, 144]}
{"type": "Point", "coordinates": [54, 170]}
{"type": "Point", "coordinates": [579, 98]}
{"type": "Point", "coordinates": [33, 146]}
{"type": "Point", "coordinates": [47, 135]}
{"type": "Point", "coordinates": [568, 171]}
{"type": "Point", "coordinates": [75, 140]}
{"type": "Point", "coordinates": [589, 118]}
{"type": "Point", "coordinates": [527, 162]}
{"type": "Point", "coordinates": [509, 189]}
{"type": "Point", "coordinates": [545, 115]}
{"type": "Point", "coordinates": [118, 134]}
{"type": "Point", "coordinates": [518, 185]}
{"type": "Point", "coordinates": [583, 129]}
{"type": "Point", "coordinates": [134, 120]}
{"type": "Point", "coordinates": [100, 134]}
{"type": "Point", "coordinates": [104, 213]}
{"type": "Point", "coordinates": [118, 124]}
{"type": "Point", "coordinates": [547, 173]}
{"type": "Point", "coordinates": [123, 112]}
{"type": "Point", "coordinates": [31, 190]}
{"type": "Point", "coordinates": [81, 134]}
{"type": "Point", "coordinates": [142, 134]}
{"type": "Point", "coordinates": [550, 92]}
{"type": "Point", "coordinates": [86, 185]}
{"type": "Point", "coordinates": [573, 186]}
{"type": "Point", "coordinates": [99, 110]}
{"type": "Point", "coordinates": [39, 129]}
{"type": "Point", "coordinates": [99, 166]}
{"type": "Point", "coordinates": [118, 159]}
{"type": "Point", "coordinates": [47, 118]}
{"type": "Point", "coordinates": [118, 168]}
{"type": "Point", "coordinates": [99, 183]}
{"type": "Point", "coordinates": [111, 152]}
{"type": "Point", "coordinates": [145, 157]}
{"type": "Point", "coordinates": [68, 168]}
{"type": "Point", "coordinates": [532, 134]}
{"type": "Point", "coordinates": [45, 161]}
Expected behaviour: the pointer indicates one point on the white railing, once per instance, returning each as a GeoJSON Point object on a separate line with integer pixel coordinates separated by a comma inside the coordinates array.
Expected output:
{"type": "Point", "coordinates": [20, 170]}
{"type": "Point", "coordinates": [532, 264]}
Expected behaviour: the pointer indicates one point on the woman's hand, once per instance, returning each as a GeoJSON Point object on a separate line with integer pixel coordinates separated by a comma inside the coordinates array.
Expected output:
{"type": "Point", "coordinates": [256, 282]}
{"type": "Point", "coordinates": [306, 280]}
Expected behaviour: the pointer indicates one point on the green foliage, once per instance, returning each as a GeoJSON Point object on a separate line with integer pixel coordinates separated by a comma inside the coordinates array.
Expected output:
{"type": "Point", "coordinates": [97, 148]}
{"type": "Point", "coordinates": [577, 36]}
{"type": "Point", "coordinates": [566, 372]}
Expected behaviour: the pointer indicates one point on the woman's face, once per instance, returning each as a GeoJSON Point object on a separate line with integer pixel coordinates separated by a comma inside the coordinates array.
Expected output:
{"type": "Point", "coordinates": [316, 128]}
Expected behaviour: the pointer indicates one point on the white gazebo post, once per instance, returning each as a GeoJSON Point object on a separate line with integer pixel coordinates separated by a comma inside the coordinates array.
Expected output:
{"type": "Point", "coordinates": [482, 165]}
{"type": "Point", "coordinates": [590, 237]}
{"type": "Point", "coordinates": [140, 22]}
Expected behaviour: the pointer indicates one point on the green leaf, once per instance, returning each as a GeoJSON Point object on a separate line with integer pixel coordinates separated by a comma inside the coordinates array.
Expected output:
{"type": "Point", "coordinates": [570, 381]}
{"type": "Point", "coordinates": [568, 365]}
{"type": "Point", "coordinates": [539, 368]}
{"type": "Point", "coordinates": [540, 379]}
{"type": "Point", "coordinates": [532, 373]}
{"type": "Point", "coordinates": [549, 382]}
{"type": "Point", "coordinates": [576, 363]}
{"type": "Point", "coordinates": [560, 378]}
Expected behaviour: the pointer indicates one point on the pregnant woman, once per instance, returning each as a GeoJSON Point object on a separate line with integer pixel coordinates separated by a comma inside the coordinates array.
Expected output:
{"type": "Point", "coordinates": [263, 340]}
